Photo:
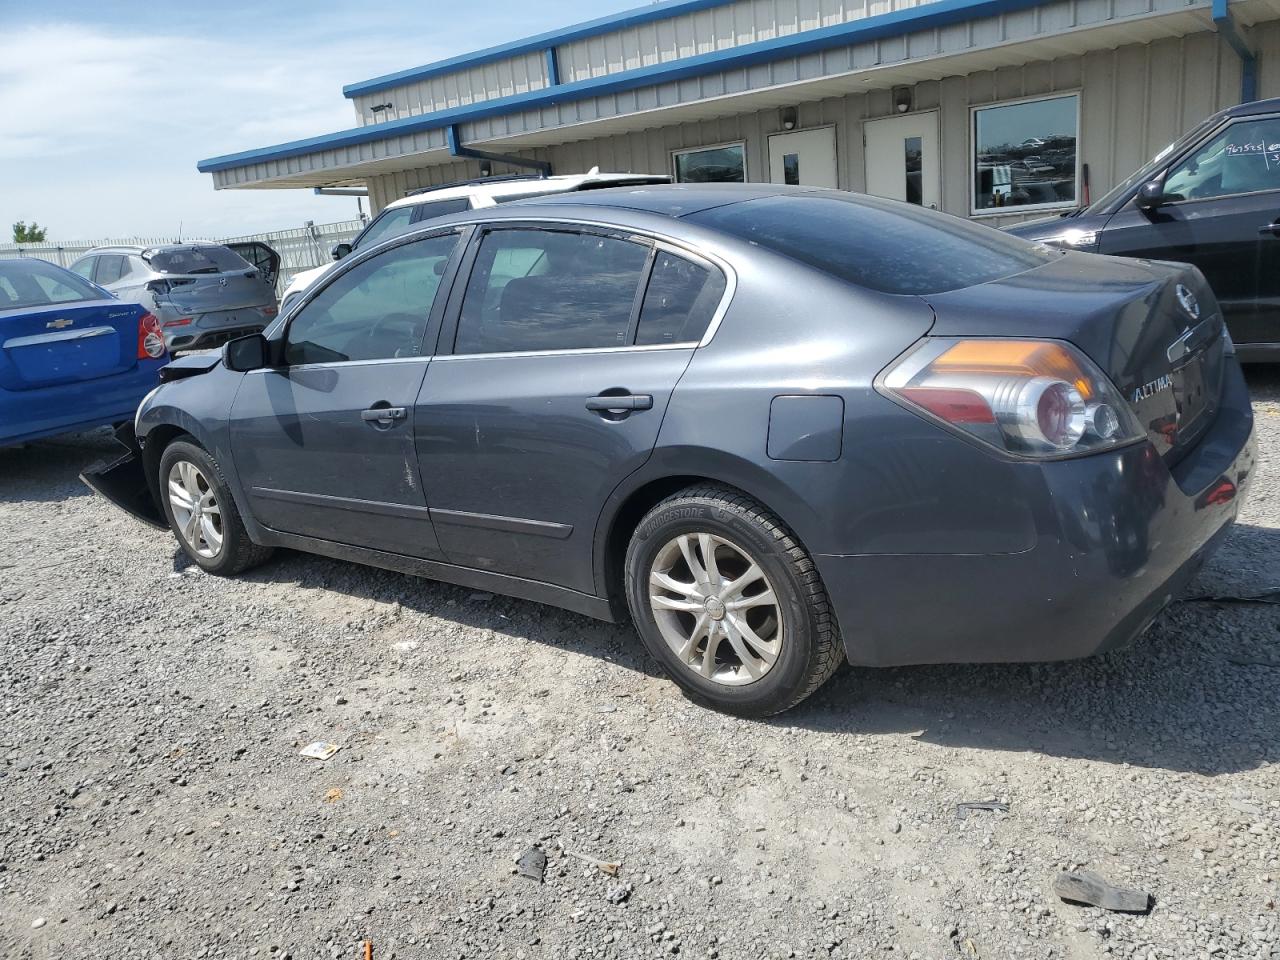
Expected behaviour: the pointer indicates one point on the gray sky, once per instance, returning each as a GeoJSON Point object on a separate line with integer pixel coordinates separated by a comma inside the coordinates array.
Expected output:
{"type": "Point", "coordinates": [107, 106]}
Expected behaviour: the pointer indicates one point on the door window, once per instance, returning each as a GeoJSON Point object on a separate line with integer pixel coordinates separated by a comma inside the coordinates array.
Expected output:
{"type": "Point", "coordinates": [680, 301]}
{"type": "Point", "coordinates": [389, 224]}
{"type": "Point", "coordinates": [550, 290]}
{"type": "Point", "coordinates": [110, 269]}
{"type": "Point", "coordinates": [377, 310]}
{"type": "Point", "coordinates": [84, 267]}
{"type": "Point", "coordinates": [1244, 158]}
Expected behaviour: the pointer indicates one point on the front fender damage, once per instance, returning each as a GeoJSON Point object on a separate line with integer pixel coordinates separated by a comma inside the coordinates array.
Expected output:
{"type": "Point", "coordinates": [123, 481]}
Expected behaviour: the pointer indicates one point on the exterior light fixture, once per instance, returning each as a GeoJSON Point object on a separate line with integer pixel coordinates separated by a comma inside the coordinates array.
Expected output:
{"type": "Point", "coordinates": [902, 99]}
{"type": "Point", "coordinates": [789, 118]}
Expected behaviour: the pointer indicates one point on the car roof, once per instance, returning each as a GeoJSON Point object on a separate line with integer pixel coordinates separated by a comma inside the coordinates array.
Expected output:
{"type": "Point", "coordinates": [139, 250]}
{"type": "Point", "coordinates": [675, 200]}
{"type": "Point", "coordinates": [1249, 109]}
{"type": "Point", "coordinates": [500, 188]}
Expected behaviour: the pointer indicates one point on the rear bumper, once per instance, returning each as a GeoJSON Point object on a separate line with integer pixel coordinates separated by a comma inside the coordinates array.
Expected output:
{"type": "Point", "coordinates": [73, 407]}
{"type": "Point", "coordinates": [204, 339]}
{"type": "Point", "coordinates": [1118, 537]}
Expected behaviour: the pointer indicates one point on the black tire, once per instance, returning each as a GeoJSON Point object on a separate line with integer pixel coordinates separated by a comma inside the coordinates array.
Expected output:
{"type": "Point", "coordinates": [809, 649]}
{"type": "Point", "coordinates": [237, 552]}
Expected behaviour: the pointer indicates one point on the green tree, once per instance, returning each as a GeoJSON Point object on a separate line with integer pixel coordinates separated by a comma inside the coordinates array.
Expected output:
{"type": "Point", "coordinates": [28, 234]}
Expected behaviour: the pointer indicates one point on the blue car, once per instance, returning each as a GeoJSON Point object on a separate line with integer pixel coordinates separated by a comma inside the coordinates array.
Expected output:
{"type": "Point", "coordinates": [72, 357]}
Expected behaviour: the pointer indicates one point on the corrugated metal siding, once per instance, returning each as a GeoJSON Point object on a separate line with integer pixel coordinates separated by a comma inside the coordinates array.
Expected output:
{"type": "Point", "coordinates": [690, 34]}
{"type": "Point", "coordinates": [489, 81]}
{"type": "Point", "coordinates": [1133, 100]}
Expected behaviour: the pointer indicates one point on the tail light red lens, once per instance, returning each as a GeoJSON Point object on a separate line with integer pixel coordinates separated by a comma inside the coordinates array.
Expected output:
{"type": "Point", "coordinates": [150, 338]}
{"type": "Point", "coordinates": [1031, 398]}
{"type": "Point", "coordinates": [270, 310]}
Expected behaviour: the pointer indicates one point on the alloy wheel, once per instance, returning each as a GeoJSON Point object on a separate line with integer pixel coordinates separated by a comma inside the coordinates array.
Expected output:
{"type": "Point", "coordinates": [196, 512]}
{"type": "Point", "coordinates": [716, 609]}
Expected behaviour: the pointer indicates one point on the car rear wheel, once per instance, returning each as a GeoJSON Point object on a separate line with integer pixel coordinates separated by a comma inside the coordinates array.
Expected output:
{"type": "Point", "coordinates": [202, 513]}
{"type": "Point", "coordinates": [730, 604]}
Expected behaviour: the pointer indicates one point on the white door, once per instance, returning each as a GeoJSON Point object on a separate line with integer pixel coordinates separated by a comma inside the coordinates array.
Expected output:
{"type": "Point", "coordinates": [902, 159]}
{"type": "Point", "coordinates": [804, 157]}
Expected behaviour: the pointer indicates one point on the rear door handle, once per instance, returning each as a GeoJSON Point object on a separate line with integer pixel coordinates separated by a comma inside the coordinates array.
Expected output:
{"type": "Point", "coordinates": [383, 414]}
{"type": "Point", "coordinates": [634, 401]}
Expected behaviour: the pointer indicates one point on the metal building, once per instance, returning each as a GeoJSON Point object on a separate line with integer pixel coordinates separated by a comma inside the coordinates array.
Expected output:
{"type": "Point", "coordinates": [984, 108]}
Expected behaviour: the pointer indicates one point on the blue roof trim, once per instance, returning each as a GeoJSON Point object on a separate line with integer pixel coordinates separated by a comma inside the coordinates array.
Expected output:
{"type": "Point", "coordinates": [590, 28]}
{"type": "Point", "coordinates": [937, 14]}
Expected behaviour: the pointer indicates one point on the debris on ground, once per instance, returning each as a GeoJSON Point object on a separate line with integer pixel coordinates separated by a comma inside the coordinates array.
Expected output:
{"type": "Point", "coordinates": [319, 750]}
{"type": "Point", "coordinates": [1266, 596]}
{"type": "Point", "coordinates": [1092, 889]}
{"type": "Point", "coordinates": [532, 864]}
{"type": "Point", "coordinates": [606, 866]}
{"type": "Point", "coordinates": [332, 795]}
{"type": "Point", "coordinates": [618, 892]}
{"type": "Point", "coordinates": [991, 806]}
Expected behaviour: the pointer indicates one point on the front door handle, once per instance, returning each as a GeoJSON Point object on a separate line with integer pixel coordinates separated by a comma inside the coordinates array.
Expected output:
{"type": "Point", "coordinates": [1270, 230]}
{"type": "Point", "coordinates": [633, 401]}
{"type": "Point", "coordinates": [383, 415]}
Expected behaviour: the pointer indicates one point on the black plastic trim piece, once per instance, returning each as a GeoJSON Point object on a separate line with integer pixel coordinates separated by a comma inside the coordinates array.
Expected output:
{"type": "Point", "coordinates": [539, 528]}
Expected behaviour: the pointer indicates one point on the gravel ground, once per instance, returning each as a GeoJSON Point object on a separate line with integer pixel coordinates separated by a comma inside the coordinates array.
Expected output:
{"type": "Point", "coordinates": [153, 803]}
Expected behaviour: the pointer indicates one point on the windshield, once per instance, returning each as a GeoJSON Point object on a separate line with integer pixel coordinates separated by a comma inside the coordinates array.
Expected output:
{"type": "Point", "coordinates": [197, 260]}
{"type": "Point", "coordinates": [877, 244]}
{"type": "Point", "coordinates": [35, 283]}
{"type": "Point", "coordinates": [1148, 171]}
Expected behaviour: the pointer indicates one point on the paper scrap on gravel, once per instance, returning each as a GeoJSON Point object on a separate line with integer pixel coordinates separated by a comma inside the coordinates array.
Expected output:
{"type": "Point", "coordinates": [319, 750]}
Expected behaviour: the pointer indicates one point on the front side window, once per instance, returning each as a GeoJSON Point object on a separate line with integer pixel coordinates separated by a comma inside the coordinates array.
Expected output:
{"type": "Point", "coordinates": [1024, 154]}
{"type": "Point", "coordinates": [679, 302]}
{"type": "Point", "coordinates": [1244, 158]}
{"type": "Point", "coordinates": [726, 164]}
{"type": "Point", "coordinates": [375, 311]}
{"type": "Point", "coordinates": [550, 290]}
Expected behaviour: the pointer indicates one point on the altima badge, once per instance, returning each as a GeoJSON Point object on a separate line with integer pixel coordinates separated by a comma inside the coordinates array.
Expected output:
{"type": "Point", "coordinates": [1188, 301]}
{"type": "Point", "coordinates": [1150, 389]}
{"type": "Point", "coordinates": [59, 324]}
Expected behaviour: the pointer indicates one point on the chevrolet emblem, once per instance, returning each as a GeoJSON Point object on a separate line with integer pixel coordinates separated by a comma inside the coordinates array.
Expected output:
{"type": "Point", "coordinates": [59, 324]}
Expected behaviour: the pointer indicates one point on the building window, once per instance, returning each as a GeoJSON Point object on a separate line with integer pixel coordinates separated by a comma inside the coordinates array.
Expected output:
{"type": "Point", "coordinates": [1024, 154]}
{"type": "Point", "coordinates": [726, 163]}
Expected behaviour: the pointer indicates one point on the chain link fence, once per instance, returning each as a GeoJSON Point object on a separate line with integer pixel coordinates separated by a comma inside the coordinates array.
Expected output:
{"type": "Point", "coordinates": [300, 249]}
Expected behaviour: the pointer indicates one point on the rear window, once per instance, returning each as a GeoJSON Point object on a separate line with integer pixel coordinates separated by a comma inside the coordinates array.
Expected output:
{"type": "Point", "coordinates": [34, 283]}
{"type": "Point", "coordinates": [196, 260]}
{"type": "Point", "coordinates": [878, 244]}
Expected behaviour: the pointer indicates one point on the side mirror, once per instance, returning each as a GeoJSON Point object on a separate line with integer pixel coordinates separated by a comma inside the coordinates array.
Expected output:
{"type": "Point", "coordinates": [340, 250]}
{"type": "Point", "coordinates": [246, 353]}
{"type": "Point", "coordinates": [1150, 196]}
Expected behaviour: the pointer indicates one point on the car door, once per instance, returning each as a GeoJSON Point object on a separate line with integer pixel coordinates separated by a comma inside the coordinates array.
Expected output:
{"type": "Point", "coordinates": [323, 443]}
{"type": "Point", "coordinates": [109, 269]}
{"type": "Point", "coordinates": [557, 361]}
{"type": "Point", "coordinates": [1224, 217]}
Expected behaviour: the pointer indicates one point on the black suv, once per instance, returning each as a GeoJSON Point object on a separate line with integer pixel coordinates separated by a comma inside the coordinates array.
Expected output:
{"type": "Point", "coordinates": [1212, 199]}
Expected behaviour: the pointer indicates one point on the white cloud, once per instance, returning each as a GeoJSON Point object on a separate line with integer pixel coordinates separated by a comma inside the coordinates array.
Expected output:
{"type": "Point", "coordinates": [102, 130]}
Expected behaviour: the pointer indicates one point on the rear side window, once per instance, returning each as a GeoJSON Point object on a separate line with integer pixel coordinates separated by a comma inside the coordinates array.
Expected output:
{"type": "Point", "coordinates": [877, 244]}
{"type": "Point", "coordinates": [679, 302]}
{"type": "Point", "coordinates": [34, 283]}
{"type": "Point", "coordinates": [197, 260]}
{"type": "Point", "coordinates": [550, 290]}
{"type": "Point", "coordinates": [84, 267]}
{"type": "Point", "coordinates": [111, 267]}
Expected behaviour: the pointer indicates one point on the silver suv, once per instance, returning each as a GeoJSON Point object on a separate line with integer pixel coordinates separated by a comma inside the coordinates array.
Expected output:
{"type": "Point", "coordinates": [203, 293]}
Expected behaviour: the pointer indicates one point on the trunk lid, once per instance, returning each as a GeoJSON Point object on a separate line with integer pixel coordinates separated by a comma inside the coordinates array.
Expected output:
{"type": "Point", "coordinates": [192, 295]}
{"type": "Point", "coordinates": [1154, 328]}
{"type": "Point", "coordinates": [64, 343]}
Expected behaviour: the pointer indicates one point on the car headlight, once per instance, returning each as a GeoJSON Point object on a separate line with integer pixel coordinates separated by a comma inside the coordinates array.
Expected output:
{"type": "Point", "coordinates": [1072, 240]}
{"type": "Point", "coordinates": [1040, 399]}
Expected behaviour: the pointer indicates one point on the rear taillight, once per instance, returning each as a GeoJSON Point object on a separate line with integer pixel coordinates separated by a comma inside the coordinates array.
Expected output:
{"type": "Point", "coordinates": [1032, 398]}
{"type": "Point", "coordinates": [270, 310]}
{"type": "Point", "coordinates": [181, 322]}
{"type": "Point", "coordinates": [150, 338]}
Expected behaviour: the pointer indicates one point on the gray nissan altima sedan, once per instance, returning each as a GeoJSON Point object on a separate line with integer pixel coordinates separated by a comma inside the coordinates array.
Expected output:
{"type": "Point", "coordinates": [777, 427]}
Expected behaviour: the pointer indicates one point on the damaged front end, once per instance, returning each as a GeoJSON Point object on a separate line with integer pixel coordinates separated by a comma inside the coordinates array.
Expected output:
{"type": "Point", "coordinates": [123, 481]}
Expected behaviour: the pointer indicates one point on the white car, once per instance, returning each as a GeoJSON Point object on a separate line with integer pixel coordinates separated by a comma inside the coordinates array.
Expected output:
{"type": "Point", "coordinates": [419, 206]}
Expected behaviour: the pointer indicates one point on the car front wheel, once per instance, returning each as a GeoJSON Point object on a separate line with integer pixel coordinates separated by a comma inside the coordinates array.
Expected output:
{"type": "Point", "coordinates": [202, 514]}
{"type": "Point", "coordinates": [730, 603]}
